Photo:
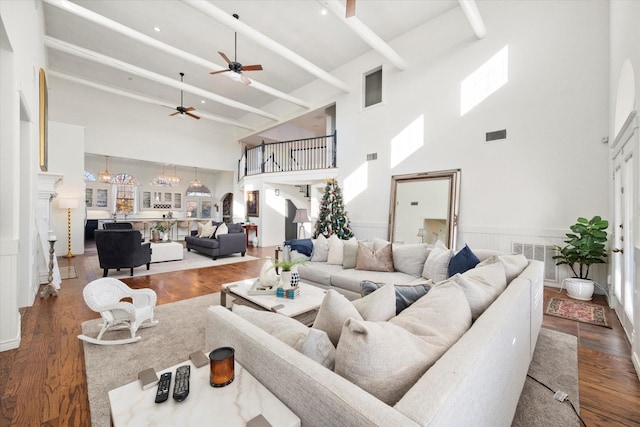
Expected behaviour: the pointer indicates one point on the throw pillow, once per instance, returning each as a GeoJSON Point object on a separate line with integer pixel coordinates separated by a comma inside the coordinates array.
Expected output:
{"type": "Point", "coordinates": [381, 358]}
{"type": "Point", "coordinates": [439, 318]}
{"type": "Point", "coordinates": [336, 250]}
{"type": "Point", "coordinates": [336, 309]}
{"type": "Point", "coordinates": [350, 253]}
{"type": "Point", "coordinates": [482, 285]}
{"type": "Point", "coordinates": [220, 230]}
{"type": "Point", "coordinates": [464, 260]}
{"type": "Point", "coordinates": [436, 267]}
{"type": "Point", "coordinates": [320, 249]}
{"type": "Point", "coordinates": [207, 230]}
{"type": "Point", "coordinates": [303, 246]}
{"type": "Point", "coordinates": [405, 295]}
{"type": "Point", "coordinates": [513, 264]}
{"type": "Point", "coordinates": [410, 259]}
{"type": "Point", "coordinates": [374, 260]}
{"type": "Point", "coordinates": [314, 344]}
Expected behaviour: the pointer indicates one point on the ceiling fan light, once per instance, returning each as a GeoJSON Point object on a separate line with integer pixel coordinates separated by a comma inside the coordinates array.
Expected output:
{"type": "Point", "coordinates": [236, 77]}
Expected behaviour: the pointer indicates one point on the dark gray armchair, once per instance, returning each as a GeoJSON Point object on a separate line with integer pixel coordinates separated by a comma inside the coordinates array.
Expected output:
{"type": "Point", "coordinates": [117, 226]}
{"type": "Point", "coordinates": [121, 249]}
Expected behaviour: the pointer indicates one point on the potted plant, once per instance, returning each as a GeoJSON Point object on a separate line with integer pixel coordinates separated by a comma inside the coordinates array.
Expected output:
{"type": "Point", "coordinates": [163, 229]}
{"type": "Point", "coordinates": [585, 247]}
{"type": "Point", "coordinates": [288, 276]}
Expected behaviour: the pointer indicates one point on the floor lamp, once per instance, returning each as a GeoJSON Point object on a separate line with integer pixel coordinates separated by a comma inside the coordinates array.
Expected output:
{"type": "Point", "coordinates": [68, 203]}
{"type": "Point", "coordinates": [300, 218]}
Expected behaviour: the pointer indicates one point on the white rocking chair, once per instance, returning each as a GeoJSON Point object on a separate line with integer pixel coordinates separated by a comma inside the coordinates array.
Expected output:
{"type": "Point", "coordinates": [104, 296]}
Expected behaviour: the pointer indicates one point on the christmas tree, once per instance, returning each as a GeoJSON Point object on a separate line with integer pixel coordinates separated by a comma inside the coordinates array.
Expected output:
{"type": "Point", "coordinates": [332, 218]}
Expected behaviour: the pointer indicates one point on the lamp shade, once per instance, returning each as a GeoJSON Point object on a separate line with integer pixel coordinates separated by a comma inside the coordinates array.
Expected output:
{"type": "Point", "coordinates": [68, 203]}
{"type": "Point", "coordinates": [422, 232]}
{"type": "Point", "coordinates": [301, 216]}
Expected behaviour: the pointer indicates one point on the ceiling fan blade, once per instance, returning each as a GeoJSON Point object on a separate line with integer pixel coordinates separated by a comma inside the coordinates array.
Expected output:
{"type": "Point", "coordinates": [218, 72]}
{"type": "Point", "coordinates": [251, 67]}
{"type": "Point", "coordinates": [244, 79]}
{"type": "Point", "coordinates": [351, 8]}
{"type": "Point", "coordinates": [193, 115]}
{"type": "Point", "coordinates": [177, 112]}
{"type": "Point", "coordinates": [189, 109]}
{"type": "Point", "coordinates": [225, 57]}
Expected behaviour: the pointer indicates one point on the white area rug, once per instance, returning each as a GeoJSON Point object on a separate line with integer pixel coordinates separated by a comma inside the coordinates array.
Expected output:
{"type": "Point", "coordinates": [191, 260]}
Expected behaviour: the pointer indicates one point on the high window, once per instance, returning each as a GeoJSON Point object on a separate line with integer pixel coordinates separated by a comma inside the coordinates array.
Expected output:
{"type": "Point", "coordinates": [126, 188]}
{"type": "Point", "coordinates": [373, 87]}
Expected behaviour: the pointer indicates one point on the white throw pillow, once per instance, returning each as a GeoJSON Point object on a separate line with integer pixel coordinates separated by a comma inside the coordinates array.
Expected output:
{"type": "Point", "coordinates": [482, 285]}
{"type": "Point", "coordinates": [436, 267]}
{"type": "Point", "coordinates": [513, 264]}
{"type": "Point", "coordinates": [208, 230]}
{"type": "Point", "coordinates": [320, 249]}
{"type": "Point", "coordinates": [314, 344]}
{"type": "Point", "coordinates": [349, 253]}
{"type": "Point", "coordinates": [336, 309]}
{"type": "Point", "coordinates": [381, 358]}
{"type": "Point", "coordinates": [336, 250]}
{"type": "Point", "coordinates": [220, 230]}
{"type": "Point", "coordinates": [410, 258]}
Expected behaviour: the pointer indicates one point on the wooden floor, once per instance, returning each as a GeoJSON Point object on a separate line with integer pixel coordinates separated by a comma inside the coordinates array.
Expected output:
{"type": "Point", "coordinates": [43, 382]}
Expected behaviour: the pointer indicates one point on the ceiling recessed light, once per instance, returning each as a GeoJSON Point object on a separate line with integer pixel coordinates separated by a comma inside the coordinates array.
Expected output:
{"type": "Point", "coordinates": [157, 29]}
{"type": "Point", "coordinates": [203, 101]}
{"type": "Point", "coordinates": [323, 12]}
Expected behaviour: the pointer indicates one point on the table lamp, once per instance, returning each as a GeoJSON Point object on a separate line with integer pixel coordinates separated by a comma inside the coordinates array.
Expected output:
{"type": "Point", "coordinates": [422, 234]}
{"type": "Point", "coordinates": [68, 203]}
{"type": "Point", "coordinates": [300, 218]}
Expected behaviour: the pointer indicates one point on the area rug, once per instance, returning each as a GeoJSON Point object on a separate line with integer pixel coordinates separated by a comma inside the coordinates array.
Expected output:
{"type": "Point", "coordinates": [68, 272]}
{"type": "Point", "coordinates": [555, 363]}
{"type": "Point", "coordinates": [190, 260]}
{"type": "Point", "coordinates": [578, 310]}
{"type": "Point", "coordinates": [181, 331]}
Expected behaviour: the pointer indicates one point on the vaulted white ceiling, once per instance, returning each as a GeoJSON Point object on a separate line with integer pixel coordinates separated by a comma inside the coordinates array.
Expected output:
{"type": "Point", "coordinates": [112, 45]}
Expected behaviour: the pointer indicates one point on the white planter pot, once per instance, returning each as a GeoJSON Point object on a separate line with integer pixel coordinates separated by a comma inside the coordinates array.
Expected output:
{"type": "Point", "coordinates": [581, 289]}
{"type": "Point", "coordinates": [285, 279]}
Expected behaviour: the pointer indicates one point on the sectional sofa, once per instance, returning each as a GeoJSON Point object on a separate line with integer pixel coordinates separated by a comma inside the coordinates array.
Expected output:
{"type": "Point", "coordinates": [476, 381]}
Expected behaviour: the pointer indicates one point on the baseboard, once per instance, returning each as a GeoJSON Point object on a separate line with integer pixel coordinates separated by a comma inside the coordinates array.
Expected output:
{"type": "Point", "coordinates": [636, 363]}
{"type": "Point", "coordinates": [14, 342]}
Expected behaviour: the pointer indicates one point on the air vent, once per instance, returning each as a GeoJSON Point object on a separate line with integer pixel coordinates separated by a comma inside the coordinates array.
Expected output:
{"type": "Point", "coordinates": [372, 156]}
{"type": "Point", "coordinates": [544, 253]}
{"type": "Point", "coordinates": [496, 135]}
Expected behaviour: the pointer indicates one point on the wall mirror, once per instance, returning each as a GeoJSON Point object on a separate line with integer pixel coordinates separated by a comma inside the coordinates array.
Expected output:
{"type": "Point", "coordinates": [424, 207]}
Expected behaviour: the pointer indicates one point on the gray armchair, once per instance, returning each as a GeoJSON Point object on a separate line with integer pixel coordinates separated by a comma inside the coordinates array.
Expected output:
{"type": "Point", "coordinates": [121, 249]}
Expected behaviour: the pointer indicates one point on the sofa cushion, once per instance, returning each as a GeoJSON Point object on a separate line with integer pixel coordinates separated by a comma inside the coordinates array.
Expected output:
{"type": "Point", "coordinates": [313, 343]}
{"type": "Point", "coordinates": [207, 230]}
{"type": "Point", "coordinates": [482, 285]}
{"type": "Point", "coordinates": [350, 253]}
{"type": "Point", "coordinates": [303, 246]}
{"type": "Point", "coordinates": [404, 295]}
{"type": "Point", "coordinates": [410, 259]}
{"type": "Point", "coordinates": [436, 267]}
{"type": "Point", "coordinates": [220, 230]}
{"type": "Point", "coordinates": [318, 272]}
{"type": "Point", "coordinates": [336, 309]}
{"type": "Point", "coordinates": [350, 279]}
{"type": "Point", "coordinates": [235, 228]}
{"type": "Point", "coordinates": [203, 242]}
{"type": "Point", "coordinates": [462, 261]}
{"type": "Point", "coordinates": [513, 264]}
{"type": "Point", "coordinates": [336, 250]}
{"type": "Point", "coordinates": [381, 358]}
{"type": "Point", "coordinates": [374, 260]}
{"type": "Point", "coordinates": [439, 318]}
{"type": "Point", "coordinates": [320, 249]}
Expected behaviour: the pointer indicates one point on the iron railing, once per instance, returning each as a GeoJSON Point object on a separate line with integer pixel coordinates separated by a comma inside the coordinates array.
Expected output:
{"type": "Point", "coordinates": [288, 156]}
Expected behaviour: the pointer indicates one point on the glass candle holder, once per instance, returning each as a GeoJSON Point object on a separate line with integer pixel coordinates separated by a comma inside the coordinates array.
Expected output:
{"type": "Point", "coordinates": [221, 361]}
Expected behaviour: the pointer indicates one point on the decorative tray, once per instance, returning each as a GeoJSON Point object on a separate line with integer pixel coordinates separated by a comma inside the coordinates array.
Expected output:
{"type": "Point", "coordinates": [258, 289]}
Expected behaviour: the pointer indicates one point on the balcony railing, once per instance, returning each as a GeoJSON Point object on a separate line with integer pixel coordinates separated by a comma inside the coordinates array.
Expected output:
{"type": "Point", "coordinates": [288, 156]}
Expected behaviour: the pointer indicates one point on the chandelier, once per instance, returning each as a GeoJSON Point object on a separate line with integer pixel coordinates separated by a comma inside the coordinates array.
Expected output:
{"type": "Point", "coordinates": [162, 180]}
{"type": "Point", "coordinates": [105, 176]}
{"type": "Point", "coordinates": [197, 187]}
{"type": "Point", "coordinates": [175, 178]}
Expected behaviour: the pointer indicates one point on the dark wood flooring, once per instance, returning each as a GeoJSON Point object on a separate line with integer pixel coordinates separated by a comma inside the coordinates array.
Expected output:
{"type": "Point", "coordinates": [43, 382]}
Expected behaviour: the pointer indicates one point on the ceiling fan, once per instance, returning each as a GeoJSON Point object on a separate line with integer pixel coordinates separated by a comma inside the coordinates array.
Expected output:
{"type": "Point", "coordinates": [235, 67]}
{"type": "Point", "coordinates": [181, 109]}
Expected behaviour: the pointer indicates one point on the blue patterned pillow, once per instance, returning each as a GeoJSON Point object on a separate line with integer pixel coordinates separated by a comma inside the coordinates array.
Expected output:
{"type": "Point", "coordinates": [303, 246]}
{"type": "Point", "coordinates": [464, 260]}
{"type": "Point", "coordinates": [405, 295]}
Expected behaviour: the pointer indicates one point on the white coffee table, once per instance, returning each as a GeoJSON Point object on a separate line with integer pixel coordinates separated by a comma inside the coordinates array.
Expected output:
{"type": "Point", "coordinates": [303, 308]}
{"type": "Point", "coordinates": [229, 406]}
{"type": "Point", "coordinates": [166, 251]}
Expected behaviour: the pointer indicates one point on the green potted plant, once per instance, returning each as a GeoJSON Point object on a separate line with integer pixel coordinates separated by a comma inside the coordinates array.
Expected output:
{"type": "Point", "coordinates": [288, 276]}
{"type": "Point", "coordinates": [585, 246]}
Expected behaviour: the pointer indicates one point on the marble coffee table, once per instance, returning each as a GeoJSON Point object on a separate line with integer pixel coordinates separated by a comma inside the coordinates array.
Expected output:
{"type": "Point", "coordinates": [303, 308]}
{"type": "Point", "coordinates": [230, 406]}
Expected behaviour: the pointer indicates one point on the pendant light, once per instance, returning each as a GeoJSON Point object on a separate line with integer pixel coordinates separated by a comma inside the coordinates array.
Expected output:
{"type": "Point", "coordinates": [197, 187]}
{"type": "Point", "coordinates": [105, 176]}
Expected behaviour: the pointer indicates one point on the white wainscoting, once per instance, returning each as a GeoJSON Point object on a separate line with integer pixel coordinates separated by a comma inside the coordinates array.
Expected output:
{"type": "Point", "coordinates": [369, 230]}
{"type": "Point", "coordinates": [9, 314]}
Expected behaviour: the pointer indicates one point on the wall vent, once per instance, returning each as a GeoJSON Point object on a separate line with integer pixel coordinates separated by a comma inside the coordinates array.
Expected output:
{"type": "Point", "coordinates": [539, 252]}
{"type": "Point", "coordinates": [495, 135]}
{"type": "Point", "coordinates": [372, 156]}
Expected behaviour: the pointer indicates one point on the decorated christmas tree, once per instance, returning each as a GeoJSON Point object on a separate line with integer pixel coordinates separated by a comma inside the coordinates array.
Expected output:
{"type": "Point", "coordinates": [332, 218]}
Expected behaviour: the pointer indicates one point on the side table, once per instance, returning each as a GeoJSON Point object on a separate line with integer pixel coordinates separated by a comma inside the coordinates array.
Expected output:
{"type": "Point", "coordinates": [229, 406]}
{"type": "Point", "coordinates": [248, 228]}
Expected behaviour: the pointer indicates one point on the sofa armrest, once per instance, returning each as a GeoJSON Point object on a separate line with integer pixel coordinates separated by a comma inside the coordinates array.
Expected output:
{"type": "Point", "coordinates": [317, 395]}
{"type": "Point", "coordinates": [232, 242]}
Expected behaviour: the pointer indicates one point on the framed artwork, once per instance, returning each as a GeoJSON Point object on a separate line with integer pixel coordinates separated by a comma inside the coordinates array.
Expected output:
{"type": "Point", "coordinates": [44, 155]}
{"type": "Point", "coordinates": [253, 199]}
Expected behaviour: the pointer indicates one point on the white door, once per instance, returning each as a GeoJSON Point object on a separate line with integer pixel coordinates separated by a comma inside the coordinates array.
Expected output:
{"type": "Point", "coordinates": [625, 186]}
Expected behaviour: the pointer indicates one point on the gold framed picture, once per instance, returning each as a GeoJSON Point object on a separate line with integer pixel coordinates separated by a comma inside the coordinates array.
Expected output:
{"type": "Point", "coordinates": [44, 154]}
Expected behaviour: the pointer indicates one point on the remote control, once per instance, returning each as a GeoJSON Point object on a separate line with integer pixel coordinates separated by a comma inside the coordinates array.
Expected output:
{"type": "Point", "coordinates": [163, 387]}
{"type": "Point", "coordinates": [181, 386]}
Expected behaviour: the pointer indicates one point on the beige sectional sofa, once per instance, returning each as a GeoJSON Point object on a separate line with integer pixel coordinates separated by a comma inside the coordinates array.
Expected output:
{"type": "Point", "coordinates": [477, 381]}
